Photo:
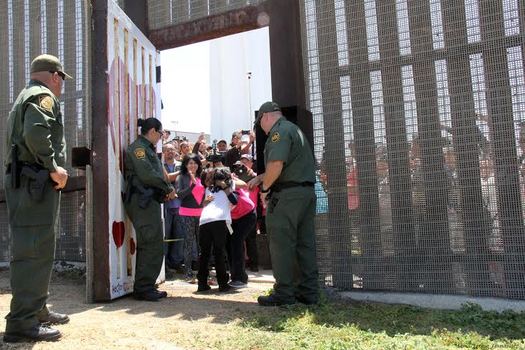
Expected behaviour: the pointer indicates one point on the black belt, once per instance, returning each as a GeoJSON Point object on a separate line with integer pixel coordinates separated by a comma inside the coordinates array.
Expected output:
{"type": "Point", "coordinates": [33, 166]}
{"type": "Point", "coordinates": [278, 187]}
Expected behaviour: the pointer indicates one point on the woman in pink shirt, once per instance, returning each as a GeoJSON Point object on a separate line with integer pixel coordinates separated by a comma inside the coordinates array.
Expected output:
{"type": "Point", "coordinates": [190, 191]}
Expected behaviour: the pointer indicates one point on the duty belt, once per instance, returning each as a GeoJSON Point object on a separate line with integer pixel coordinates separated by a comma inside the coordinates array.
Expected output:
{"type": "Point", "coordinates": [278, 187]}
{"type": "Point", "coordinates": [34, 166]}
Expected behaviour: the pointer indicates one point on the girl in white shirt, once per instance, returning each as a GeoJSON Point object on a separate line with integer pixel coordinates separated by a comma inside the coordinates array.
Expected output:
{"type": "Point", "coordinates": [215, 225]}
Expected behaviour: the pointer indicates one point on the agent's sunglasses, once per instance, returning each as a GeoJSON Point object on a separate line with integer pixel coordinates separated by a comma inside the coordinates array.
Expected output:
{"type": "Point", "coordinates": [62, 75]}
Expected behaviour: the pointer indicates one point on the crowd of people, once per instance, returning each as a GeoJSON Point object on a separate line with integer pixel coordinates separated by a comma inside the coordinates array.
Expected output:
{"type": "Point", "coordinates": [211, 195]}
{"type": "Point", "coordinates": [188, 215]}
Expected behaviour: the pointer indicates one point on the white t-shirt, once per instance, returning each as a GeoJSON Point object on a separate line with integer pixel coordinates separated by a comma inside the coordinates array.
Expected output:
{"type": "Point", "coordinates": [217, 210]}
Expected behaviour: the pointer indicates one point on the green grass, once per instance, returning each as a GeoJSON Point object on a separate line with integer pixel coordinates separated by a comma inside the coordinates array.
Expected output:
{"type": "Point", "coordinates": [339, 325]}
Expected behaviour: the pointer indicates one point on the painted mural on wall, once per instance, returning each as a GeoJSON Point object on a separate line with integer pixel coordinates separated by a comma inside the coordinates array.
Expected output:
{"type": "Point", "coordinates": [133, 94]}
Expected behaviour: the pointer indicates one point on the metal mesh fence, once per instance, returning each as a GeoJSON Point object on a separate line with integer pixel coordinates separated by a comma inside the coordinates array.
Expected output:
{"type": "Point", "coordinates": [164, 13]}
{"type": "Point", "coordinates": [59, 27]}
{"type": "Point", "coordinates": [419, 131]}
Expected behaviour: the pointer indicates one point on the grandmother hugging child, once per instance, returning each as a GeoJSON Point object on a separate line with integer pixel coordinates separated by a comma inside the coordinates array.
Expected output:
{"type": "Point", "coordinates": [215, 225]}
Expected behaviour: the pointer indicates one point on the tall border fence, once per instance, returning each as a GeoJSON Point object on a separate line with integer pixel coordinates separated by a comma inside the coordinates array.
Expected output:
{"type": "Point", "coordinates": [59, 27]}
{"type": "Point", "coordinates": [419, 132]}
{"type": "Point", "coordinates": [419, 111]}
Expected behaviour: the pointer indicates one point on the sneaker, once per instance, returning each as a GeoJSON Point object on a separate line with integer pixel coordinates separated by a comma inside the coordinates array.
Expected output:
{"type": "Point", "coordinates": [190, 279]}
{"type": "Point", "coordinates": [203, 288]}
{"type": "Point", "coordinates": [161, 293]}
{"type": "Point", "coordinates": [224, 289]}
{"type": "Point", "coordinates": [238, 284]}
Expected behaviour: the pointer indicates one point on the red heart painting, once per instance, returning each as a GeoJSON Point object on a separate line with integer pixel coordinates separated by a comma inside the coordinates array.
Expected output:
{"type": "Point", "coordinates": [118, 232]}
{"type": "Point", "coordinates": [132, 246]}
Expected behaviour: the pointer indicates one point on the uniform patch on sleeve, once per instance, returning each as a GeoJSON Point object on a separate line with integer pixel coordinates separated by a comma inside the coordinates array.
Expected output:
{"type": "Point", "coordinates": [46, 102]}
{"type": "Point", "coordinates": [140, 153]}
{"type": "Point", "coordinates": [276, 137]}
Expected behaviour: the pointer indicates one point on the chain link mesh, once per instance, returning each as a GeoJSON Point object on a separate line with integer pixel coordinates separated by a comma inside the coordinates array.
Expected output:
{"type": "Point", "coordinates": [418, 116]}
{"type": "Point", "coordinates": [29, 28]}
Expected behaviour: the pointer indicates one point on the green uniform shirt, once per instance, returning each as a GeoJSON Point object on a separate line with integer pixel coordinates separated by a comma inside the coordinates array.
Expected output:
{"type": "Point", "coordinates": [35, 125]}
{"type": "Point", "coordinates": [287, 143]}
{"type": "Point", "coordinates": [142, 164]}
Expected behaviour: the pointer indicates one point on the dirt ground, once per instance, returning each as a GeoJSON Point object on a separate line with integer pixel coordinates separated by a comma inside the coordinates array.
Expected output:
{"type": "Point", "coordinates": [184, 320]}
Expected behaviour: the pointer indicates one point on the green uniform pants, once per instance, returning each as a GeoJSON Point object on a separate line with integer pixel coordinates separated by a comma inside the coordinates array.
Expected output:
{"type": "Point", "coordinates": [150, 244]}
{"type": "Point", "coordinates": [291, 233]}
{"type": "Point", "coordinates": [32, 225]}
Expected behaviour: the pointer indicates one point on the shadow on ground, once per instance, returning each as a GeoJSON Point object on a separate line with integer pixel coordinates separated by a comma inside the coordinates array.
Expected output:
{"type": "Point", "coordinates": [240, 306]}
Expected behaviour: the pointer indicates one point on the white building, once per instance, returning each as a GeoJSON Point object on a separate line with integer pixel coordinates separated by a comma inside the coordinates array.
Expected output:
{"type": "Point", "coordinates": [206, 87]}
{"type": "Point", "coordinates": [240, 81]}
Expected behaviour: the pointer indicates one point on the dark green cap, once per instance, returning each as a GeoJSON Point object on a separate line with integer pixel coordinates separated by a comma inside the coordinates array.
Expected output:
{"type": "Point", "coordinates": [265, 108]}
{"type": "Point", "coordinates": [48, 63]}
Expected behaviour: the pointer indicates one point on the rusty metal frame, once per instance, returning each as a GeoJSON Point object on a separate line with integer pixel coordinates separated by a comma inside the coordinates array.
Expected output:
{"type": "Point", "coordinates": [99, 115]}
{"type": "Point", "coordinates": [207, 28]}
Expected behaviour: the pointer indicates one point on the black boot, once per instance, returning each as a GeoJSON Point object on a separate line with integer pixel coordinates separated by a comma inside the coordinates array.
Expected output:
{"type": "Point", "coordinates": [273, 300]}
{"type": "Point", "coordinates": [53, 318]}
{"type": "Point", "coordinates": [36, 333]}
{"type": "Point", "coordinates": [150, 295]}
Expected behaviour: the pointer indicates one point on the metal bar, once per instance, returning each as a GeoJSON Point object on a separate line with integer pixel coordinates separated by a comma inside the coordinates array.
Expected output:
{"type": "Point", "coordinates": [399, 171]}
{"type": "Point", "coordinates": [217, 6]}
{"type": "Point", "coordinates": [472, 48]}
{"type": "Point", "coordinates": [19, 80]}
{"type": "Point", "coordinates": [137, 11]}
{"type": "Point", "coordinates": [464, 132]}
{"type": "Point", "coordinates": [198, 8]}
{"type": "Point", "coordinates": [4, 86]}
{"type": "Point", "coordinates": [334, 155]}
{"type": "Point", "coordinates": [369, 223]}
{"type": "Point", "coordinates": [52, 27]}
{"type": "Point", "coordinates": [34, 30]}
{"type": "Point", "coordinates": [287, 70]}
{"type": "Point", "coordinates": [99, 237]}
{"type": "Point", "coordinates": [499, 98]}
{"type": "Point", "coordinates": [207, 28]}
{"type": "Point", "coordinates": [435, 250]}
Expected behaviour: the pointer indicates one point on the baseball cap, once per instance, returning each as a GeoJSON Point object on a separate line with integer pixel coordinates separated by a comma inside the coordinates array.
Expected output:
{"type": "Point", "coordinates": [265, 108]}
{"type": "Point", "coordinates": [222, 141]}
{"type": "Point", "coordinates": [247, 156]}
{"type": "Point", "coordinates": [48, 63]}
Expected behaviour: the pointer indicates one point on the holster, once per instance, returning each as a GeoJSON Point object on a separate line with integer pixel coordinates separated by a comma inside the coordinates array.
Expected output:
{"type": "Point", "coordinates": [145, 195]}
{"type": "Point", "coordinates": [14, 167]}
{"type": "Point", "coordinates": [38, 177]}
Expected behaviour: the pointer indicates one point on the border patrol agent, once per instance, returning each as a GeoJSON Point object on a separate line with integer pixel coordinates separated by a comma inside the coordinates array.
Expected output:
{"type": "Point", "coordinates": [287, 189]}
{"type": "Point", "coordinates": [146, 187]}
{"type": "Point", "coordinates": [34, 159]}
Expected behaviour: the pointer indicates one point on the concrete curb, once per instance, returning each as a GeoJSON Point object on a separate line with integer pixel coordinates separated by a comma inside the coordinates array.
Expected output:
{"type": "Point", "coordinates": [432, 301]}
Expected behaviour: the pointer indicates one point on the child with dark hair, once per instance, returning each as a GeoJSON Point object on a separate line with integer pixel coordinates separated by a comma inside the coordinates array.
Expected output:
{"type": "Point", "coordinates": [215, 225]}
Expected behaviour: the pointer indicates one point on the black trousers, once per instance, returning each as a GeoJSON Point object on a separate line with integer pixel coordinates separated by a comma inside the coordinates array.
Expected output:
{"type": "Point", "coordinates": [241, 228]}
{"type": "Point", "coordinates": [213, 234]}
{"type": "Point", "coordinates": [251, 247]}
